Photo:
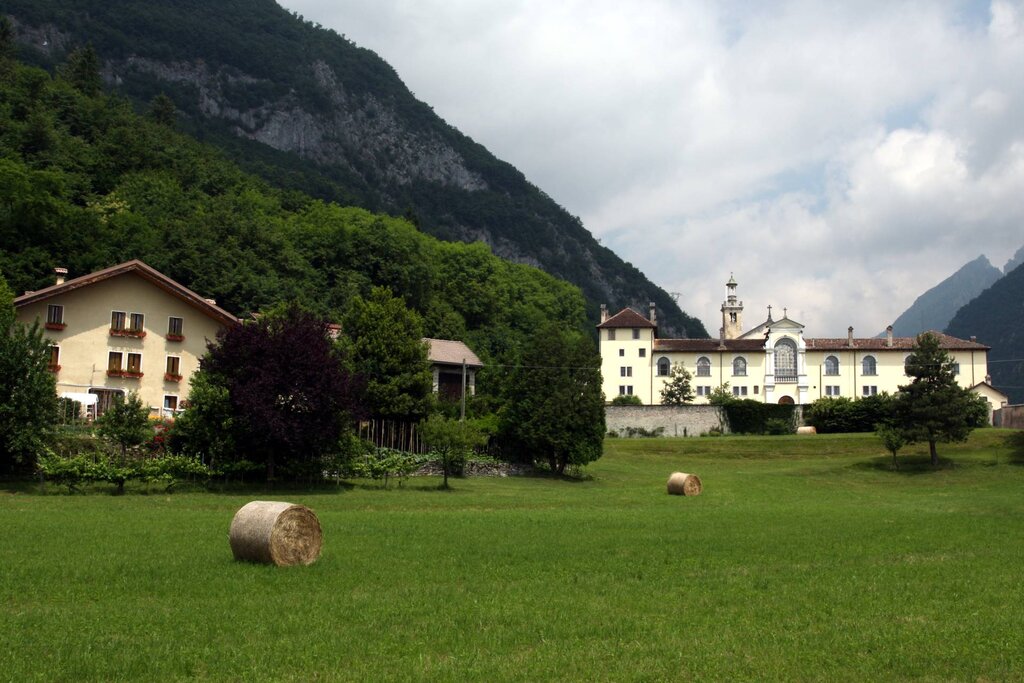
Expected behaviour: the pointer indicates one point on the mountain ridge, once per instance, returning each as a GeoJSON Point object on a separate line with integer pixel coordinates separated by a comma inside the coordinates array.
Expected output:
{"type": "Point", "coordinates": [308, 109]}
{"type": "Point", "coordinates": [995, 317]}
{"type": "Point", "coordinates": [934, 309]}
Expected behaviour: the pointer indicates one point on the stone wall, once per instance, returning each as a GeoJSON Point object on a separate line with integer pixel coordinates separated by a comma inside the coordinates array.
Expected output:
{"type": "Point", "coordinates": [672, 420]}
{"type": "Point", "coordinates": [1011, 417]}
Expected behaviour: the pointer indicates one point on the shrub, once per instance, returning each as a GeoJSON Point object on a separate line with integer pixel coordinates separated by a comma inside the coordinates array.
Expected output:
{"type": "Point", "coordinates": [627, 400]}
{"type": "Point", "coordinates": [777, 426]}
{"type": "Point", "coordinates": [747, 416]}
{"type": "Point", "coordinates": [844, 415]}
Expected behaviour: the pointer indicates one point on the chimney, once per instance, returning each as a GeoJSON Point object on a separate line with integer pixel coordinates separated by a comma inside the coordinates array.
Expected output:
{"type": "Point", "coordinates": [888, 336]}
{"type": "Point", "coordinates": [604, 312]}
{"type": "Point", "coordinates": [974, 339]}
{"type": "Point", "coordinates": [849, 337]}
{"type": "Point", "coordinates": [61, 274]}
{"type": "Point", "coordinates": [721, 337]}
{"type": "Point", "coordinates": [212, 302]}
{"type": "Point", "coordinates": [654, 313]}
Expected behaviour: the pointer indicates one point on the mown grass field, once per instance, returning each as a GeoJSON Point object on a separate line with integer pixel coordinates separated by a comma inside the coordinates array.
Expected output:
{"type": "Point", "coordinates": [804, 559]}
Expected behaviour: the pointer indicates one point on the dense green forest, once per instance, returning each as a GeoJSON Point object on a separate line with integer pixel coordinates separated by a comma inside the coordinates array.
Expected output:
{"type": "Point", "coordinates": [262, 59]}
{"type": "Point", "coordinates": [85, 183]}
{"type": "Point", "coordinates": [994, 317]}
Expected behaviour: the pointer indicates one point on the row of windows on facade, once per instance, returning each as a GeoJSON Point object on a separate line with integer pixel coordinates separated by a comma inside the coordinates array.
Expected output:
{"type": "Point", "coordinates": [702, 390]}
{"type": "Point", "coordinates": [635, 335]}
{"type": "Point", "coordinates": [127, 363]}
{"type": "Point", "coordinates": [705, 390]}
{"type": "Point", "coordinates": [784, 367]}
{"type": "Point", "coordinates": [120, 321]}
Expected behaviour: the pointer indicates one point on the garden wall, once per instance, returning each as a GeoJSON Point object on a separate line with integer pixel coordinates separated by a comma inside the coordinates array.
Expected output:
{"type": "Point", "coordinates": [673, 420]}
{"type": "Point", "coordinates": [1011, 417]}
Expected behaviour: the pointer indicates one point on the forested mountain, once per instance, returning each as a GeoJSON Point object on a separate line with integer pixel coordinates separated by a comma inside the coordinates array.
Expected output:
{"type": "Point", "coordinates": [307, 109]}
{"type": "Point", "coordinates": [996, 317]}
{"type": "Point", "coordinates": [86, 183]}
{"type": "Point", "coordinates": [935, 308]}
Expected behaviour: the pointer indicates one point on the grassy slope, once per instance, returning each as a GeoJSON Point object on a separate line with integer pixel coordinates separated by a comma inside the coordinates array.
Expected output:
{"type": "Point", "coordinates": [804, 559]}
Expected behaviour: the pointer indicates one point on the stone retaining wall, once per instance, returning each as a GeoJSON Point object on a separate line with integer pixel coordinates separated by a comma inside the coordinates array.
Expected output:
{"type": "Point", "coordinates": [671, 420]}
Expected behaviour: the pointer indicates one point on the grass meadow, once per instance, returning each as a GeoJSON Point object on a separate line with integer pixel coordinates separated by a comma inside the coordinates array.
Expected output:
{"type": "Point", "coordinates": [806, 558]}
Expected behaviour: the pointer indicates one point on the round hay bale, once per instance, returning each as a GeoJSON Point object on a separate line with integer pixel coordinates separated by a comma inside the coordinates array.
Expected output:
{"type": "Point", "coordinates": [806, 430]}
{"type": "Point", "coordinates": [278, 533]}
{"type": "Point", "coordinates": [683, 484]}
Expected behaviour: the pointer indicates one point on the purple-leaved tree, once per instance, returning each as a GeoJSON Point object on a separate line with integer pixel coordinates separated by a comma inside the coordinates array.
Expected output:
{"type": "Point", "coordinates": [289, 388]}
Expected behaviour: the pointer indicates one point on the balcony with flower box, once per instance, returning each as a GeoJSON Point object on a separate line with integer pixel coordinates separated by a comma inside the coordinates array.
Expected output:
{"type": "Point", "coordinates": [126, 374]}
{"type": "Point", "coordinates": [171, 377]}
{"type": "Point", "coordinates": [175, 337]}
{"type": "Point", "coordinates": [55, 326]}
{"type": "Point", "coordinates": [138, 334]}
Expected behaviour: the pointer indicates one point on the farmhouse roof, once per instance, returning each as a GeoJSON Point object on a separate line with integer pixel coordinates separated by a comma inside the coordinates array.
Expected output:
{"type": "Point", "coordinates": [451, 352]}
{"type": "Point", "coordinates": [144, 271]}
{"type": "Point", "coordinates": [627, 317]}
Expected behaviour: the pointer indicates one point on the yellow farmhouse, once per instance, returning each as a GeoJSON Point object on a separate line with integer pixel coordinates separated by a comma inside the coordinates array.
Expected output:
{"type": "Point", "coordinates": [773, 362]}
{"type": "Point", "coordinates": [122, 329]}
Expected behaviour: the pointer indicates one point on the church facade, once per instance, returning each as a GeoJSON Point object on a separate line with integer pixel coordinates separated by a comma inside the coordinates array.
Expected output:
{"type": "Point", "coordinates": [773, 362]}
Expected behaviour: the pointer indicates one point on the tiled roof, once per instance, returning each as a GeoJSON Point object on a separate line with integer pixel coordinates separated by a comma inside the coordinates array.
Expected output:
{"type": "Point", "coordinates": [450, 352]}
{"type": "Point", "coordinates": [881, 344]}
{"type": "Point", "coordinates": [627, 317]}
{"type": "Point", "coordinates": [142, 270]}
{"type": "Point", "coordinates": [709, 345]}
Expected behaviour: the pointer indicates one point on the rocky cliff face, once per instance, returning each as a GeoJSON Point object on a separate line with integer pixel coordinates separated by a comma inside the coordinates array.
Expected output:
{"type": "Point", "coordinates": [359, 132]}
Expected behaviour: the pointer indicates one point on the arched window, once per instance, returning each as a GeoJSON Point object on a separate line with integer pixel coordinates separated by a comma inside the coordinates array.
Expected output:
{"type": "Point", "coordinates": [869, 366]}
{"type": "Point", "coordinates": [831, 365]}
{"type": "Point", "coordinates": [664, 367]}
{"type": "Point", "coordinates": [785, 361]}
{"type": "Point", "coordinates": [703, 367]}
{"type": "Point", "coordinates": [739, 366]}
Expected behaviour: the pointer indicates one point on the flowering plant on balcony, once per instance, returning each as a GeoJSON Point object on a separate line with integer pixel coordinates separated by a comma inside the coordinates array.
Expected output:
{"type": "Point", "coordinates": [175, 337]}
{"type": "Point", "coordinates": [127, 374]}
{"type": "Point", "coordinates": [171, 377]}
{"type": "Point", "coordinates": [139, 334]}
{"type": "Point", "coordinates": [55, 326]}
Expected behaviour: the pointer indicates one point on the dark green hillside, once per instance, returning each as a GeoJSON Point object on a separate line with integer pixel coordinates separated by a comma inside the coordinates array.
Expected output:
{"type": "Point", "coordinates": [307, 109]}
{"type": "Point", "coordinates": [996, 317]}
{"type": "Point", "coordinates": [85, 183]}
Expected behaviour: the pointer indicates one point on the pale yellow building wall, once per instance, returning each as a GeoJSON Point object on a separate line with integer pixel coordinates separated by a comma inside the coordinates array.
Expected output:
{"type": "Point", "coordinates": [625, 352]}
{"type": "Point", "coordinates": [890, 374]}
{"type": "Point", "coordinates": [721, 372]}
{"type": "Point", "coordinates": [647, 384]}
{"type": "Point", "coordinates": [86, 341]}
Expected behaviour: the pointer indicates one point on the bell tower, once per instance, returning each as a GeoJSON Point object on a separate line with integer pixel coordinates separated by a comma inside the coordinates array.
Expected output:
{"type": "Point", "coordinates": [732, 312]}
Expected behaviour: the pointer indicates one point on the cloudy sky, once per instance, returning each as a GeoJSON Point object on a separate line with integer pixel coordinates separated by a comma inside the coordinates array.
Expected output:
{"type": "Point", "coordinates": [839, 157]}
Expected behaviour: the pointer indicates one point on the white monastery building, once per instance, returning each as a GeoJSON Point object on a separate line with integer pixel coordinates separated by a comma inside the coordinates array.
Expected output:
{"type": "Point", "coordinates": [773, 362]}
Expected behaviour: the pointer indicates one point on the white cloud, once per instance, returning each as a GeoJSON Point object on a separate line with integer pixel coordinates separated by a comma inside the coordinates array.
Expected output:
{"type": "Point", "coordinates": [839, 157]}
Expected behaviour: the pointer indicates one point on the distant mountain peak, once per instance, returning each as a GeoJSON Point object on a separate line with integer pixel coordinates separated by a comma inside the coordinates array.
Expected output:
{"type": "Point", "coordinates": [1017, 259]}
{"type": "Point", "coordinates": [935, 308]}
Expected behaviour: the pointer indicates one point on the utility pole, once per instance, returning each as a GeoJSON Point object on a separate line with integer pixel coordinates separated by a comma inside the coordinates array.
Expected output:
{"type": "Point", "coordinates": [462, 412]}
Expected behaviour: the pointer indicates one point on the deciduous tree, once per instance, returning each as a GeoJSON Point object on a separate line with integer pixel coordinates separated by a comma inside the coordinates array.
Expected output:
{"type": "Point", "coordinates": [28, 399]}
{"type": "Point", "coordinates": [387, 349]}
{"type": "Point", "coordinates": [677, 390]}
{"type": "Point", "coordinates": [554, 407]}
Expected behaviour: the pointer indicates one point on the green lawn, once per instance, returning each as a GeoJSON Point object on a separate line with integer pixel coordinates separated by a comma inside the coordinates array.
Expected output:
{"type": "Point", "coordinates": [804, 559]}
